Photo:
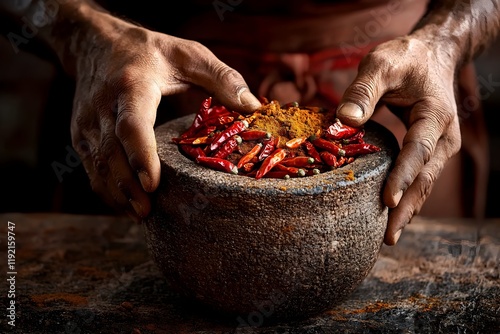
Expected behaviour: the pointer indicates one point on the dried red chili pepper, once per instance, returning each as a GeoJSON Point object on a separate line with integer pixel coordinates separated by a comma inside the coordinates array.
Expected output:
{"type": "Point", "coordinates": [356, 139]}
{"type": "Point", "coordinates": [250, 155]}
{"type": "Point", "coordinates": [278, 174]}
{"type": "Point", "coordinates": [263, 100]}
{"type": "Point", "coordinates": [254, 134]}
{"type": "Point", "coordinates": [329, 158]}
{"type": "Point", "coordinates": [272, 160]}
{"type": "Point", "coordinates": [312, 166]}
{"type": "Point", "coordinates": [248, 167]}
{"type": "Point", "coordinates": [327, 145]}
{"type": "Point", "coordinates": [314, 171]}
{"type": "Point", "coordinates": [298, 161]}
{"type": "Point", "coordinates": [295, 142]}
{"type": "Point", "coordinates": [341, 162]}
{"type": "Point", "coordinates": [192, 151]}
{"type": "Point", "coordinates": [228, 147]}
{"type": "Point", "coordinates": [294, 104]}
{"type": "Point", "coordinates": [337, 131]}
{"type": "Point", "coordinates": [219, 121]}
{"type": "Point", "coordinates": [290, 170]}
{"type": "Point", "coordinates": [269, 146]}
{"type": "Point", "coordinates": [200, 117]}
{"type": "Point", "coordinates": [359, 149]}
{"type": "Point", "coordinates": [233, 129]}
{"type": "Point", "coordinates": [218, 110]}
{"type": "Point", "coordinates": [205, 131]}
{"type": "Point", "coordinates": [218, 164]}
{"type": "Point", "coordinates": [311, 150]}
{"type": "Point", "coordinates": [195, 141]}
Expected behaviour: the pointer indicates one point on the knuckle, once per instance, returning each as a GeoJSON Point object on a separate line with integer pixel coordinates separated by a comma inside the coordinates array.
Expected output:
{"type": "Point", "coordinates": [376, 58]}
{"type": "Point", "coordinates": [123, 186]}
{"type": "Point", "coordinates": [125, 79]}
{"type": "Point", "coordinates": [453, 142]}
{"type": "Point", "coordinates": [362, 91]}
{"type": "Point", "coordinates": [422, 147]}
{"type": "Point", "coordinates": [100, 166]}
{"type": "Point", "coordinates": [224, 73]}
{"type": "Point", "coordinates": [125, 123]}
{"type": "Point", "coordinates": [96, 186]}
{"type": "Point", "coordinates": [109, 146]}
{"type": "Point", "coordinates": [425, 180]}
{"type": "Point", "coordinates": [194, 46]}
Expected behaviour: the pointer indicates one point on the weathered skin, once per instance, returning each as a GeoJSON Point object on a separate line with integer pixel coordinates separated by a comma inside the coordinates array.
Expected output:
{"type": "Point", "coordinates": [122, 70]}
{"type": "Point", "coordinates": [415, 75]}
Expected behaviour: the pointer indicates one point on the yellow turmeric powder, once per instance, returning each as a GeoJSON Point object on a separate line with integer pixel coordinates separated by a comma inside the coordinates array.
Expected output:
{"type": "Point", "coordinates": [289, 122]}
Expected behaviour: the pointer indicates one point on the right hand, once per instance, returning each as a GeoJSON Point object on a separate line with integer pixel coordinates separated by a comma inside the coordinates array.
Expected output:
{"type": "Point", "coordinates": [122, 71]}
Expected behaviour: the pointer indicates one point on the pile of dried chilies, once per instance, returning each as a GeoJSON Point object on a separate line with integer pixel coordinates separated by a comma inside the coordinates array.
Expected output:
{"type": "Point", "coordinates": [228, 141]}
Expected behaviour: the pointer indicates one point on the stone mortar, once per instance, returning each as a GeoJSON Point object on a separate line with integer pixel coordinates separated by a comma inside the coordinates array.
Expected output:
{"type": "Point", "coordinates": [284, 248]}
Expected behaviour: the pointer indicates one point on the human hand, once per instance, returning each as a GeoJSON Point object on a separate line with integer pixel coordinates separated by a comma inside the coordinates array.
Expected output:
{"type": "Point", "coordinates": [416, 82]}
{"type": "Point", "coordinates": [121, 72]}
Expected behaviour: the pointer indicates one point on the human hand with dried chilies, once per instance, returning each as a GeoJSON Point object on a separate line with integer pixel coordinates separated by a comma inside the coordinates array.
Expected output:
{"type": "Point", "coordinates": [121, 72]}
{"type": "Point", "coordinates": [414, 76]}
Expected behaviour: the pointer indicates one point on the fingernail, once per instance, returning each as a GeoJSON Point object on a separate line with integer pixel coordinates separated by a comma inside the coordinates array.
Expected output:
{"type": "Point", "coordinates": [350, 110]}
{"type": "Point", "coordinates": [137, 207]}
{"type": "Point", "coordinates": [248, 99]}
{"type": "Point", "coordinates": [397, 235]}
{"type": "Point", "coordinates": [397, 197]}
{"type": "Point", "coordinates": [145, 180]}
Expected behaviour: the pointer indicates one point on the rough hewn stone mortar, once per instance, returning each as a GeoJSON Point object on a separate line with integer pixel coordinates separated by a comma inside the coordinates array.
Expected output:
{"type": "Point", "coordinates": [279, 247]}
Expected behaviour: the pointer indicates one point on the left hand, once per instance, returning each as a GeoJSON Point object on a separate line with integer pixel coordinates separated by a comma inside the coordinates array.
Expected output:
{"type": "Point", "coordinates": [415, 80]}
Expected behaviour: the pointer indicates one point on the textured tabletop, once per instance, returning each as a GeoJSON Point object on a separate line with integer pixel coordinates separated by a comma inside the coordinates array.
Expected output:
{"type": "Point", "coordinates": [93, 274]}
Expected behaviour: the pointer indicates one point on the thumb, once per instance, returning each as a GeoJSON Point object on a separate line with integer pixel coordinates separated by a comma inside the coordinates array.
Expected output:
{"type": "Point", "coordinates": [360, 98]}
{"type": "Point", "coordinates": [232, 91]}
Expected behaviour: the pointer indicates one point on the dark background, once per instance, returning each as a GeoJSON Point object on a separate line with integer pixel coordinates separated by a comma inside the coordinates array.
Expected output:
{"type": "Point", "coordinates": [35, 110]}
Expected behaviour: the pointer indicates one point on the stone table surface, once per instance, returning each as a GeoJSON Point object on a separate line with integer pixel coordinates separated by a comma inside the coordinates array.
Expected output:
{"type": "Point", "coordinates": [94, 274]}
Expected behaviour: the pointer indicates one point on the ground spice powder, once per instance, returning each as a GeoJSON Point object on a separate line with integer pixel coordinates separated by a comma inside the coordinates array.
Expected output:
{"type": "Point", "coordinates": [289, 122]}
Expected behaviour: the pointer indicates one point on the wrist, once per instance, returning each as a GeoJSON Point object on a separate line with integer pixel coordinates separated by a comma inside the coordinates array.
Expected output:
{"type": "Point", "coordinates": [72, 30]}
{"type": "Point", "coordinates": [440, 46]}
{"type": "Point", "coordinates": [459, 30]}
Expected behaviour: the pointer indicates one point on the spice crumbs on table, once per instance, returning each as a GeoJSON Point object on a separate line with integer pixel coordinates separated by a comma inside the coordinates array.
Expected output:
{"type": "Point", "coordinates": [350, 175]}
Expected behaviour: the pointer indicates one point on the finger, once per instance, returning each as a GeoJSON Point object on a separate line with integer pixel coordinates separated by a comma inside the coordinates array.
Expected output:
{"type": "Point", "coordinates": [135, 120]}
{"type": "Point", "coordinates": [215, 76]}
{"type": "Point", "coordinates": [85, 143]}
{"type": "Point", "coordinates": [419, 144]}
{"type": "Point", "coordinates": [361, 97]}
{"type": "Point", "coordinates": [416, 194]}
{"type": "Point", "coordinates": [121, 180]}
{"type": "Point", "coordinates": [97, 171]}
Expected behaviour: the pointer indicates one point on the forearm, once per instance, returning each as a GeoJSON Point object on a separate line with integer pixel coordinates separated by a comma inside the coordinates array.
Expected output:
{"type": "Point", "coordinates": [460, 29]}
{"type": "Point", "coordinates": [62, 25]}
